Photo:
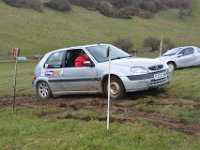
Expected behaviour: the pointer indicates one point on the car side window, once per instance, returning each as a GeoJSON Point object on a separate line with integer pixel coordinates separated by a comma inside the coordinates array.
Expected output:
{"type": "Point", "coordinates": [187, 51]}
{"type": "Point", "coordinates": [70, 57]}
{"type": "Point", "coordinates": [55, 60]}
{"type": "Point", "coordinates": [182, 52]}
{"type": "Point", "coordinates": [198, 50]}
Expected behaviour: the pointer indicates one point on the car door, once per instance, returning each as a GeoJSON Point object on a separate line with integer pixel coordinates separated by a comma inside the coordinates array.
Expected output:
{"type": "Point", "coordinates": [53, 71]}
{"type": "Point", "coordinates": [79, 79]}
{"type": "Point", "coordinates": [185, 57]}
{"type": "Point", "coordinates": [198, 56]}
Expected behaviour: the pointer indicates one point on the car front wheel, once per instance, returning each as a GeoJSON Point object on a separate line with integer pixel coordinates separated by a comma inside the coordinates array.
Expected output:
{"type": "Point", "coordinates": [43, 90]}
{"type": "Point", "coordinates": [172, 66]}
{"type": "Point", "coordinates": [117, 90]}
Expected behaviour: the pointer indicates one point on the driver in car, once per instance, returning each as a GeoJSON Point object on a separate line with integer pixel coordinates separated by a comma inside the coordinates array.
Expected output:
{"type": "Point", "coordinates": [81, 59]}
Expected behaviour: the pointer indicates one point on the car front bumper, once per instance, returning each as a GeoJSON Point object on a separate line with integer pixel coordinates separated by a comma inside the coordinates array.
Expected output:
{"type": "Point", "coordinates": [145, 82]}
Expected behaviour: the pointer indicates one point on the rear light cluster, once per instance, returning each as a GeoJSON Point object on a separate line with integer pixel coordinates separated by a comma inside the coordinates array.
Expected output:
{"type": "Point", "coordinates": [34, 77]}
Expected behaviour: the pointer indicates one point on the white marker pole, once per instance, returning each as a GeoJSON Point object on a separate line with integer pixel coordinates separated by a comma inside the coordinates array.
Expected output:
{"type": "Point", "coordinates": [108, 109]}
{"type": "Point", "coordinates": [15, 82]}
{"type": "Point", "coordinates": [161, 45]}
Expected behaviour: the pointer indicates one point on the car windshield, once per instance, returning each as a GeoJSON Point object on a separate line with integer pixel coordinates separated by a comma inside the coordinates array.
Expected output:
{"type": "Point", "coordinates": [172, 52]}
{"type": "Point", "coordinates": [99, 52]}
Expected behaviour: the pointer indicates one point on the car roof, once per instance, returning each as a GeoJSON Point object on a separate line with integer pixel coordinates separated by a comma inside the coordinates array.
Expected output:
{"type": "Point", "coordinates": [186, 46]}
{"type": "Point", "coordinates": [182, 47]}
{"type": "Point", "coordinates": [75, 47]}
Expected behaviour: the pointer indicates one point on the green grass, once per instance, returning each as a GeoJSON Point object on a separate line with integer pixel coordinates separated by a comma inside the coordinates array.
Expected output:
{"type": "Point", "coordinates": [25, 131]}
{"type": "Point", "coordinates": [79, 114]}
{"type": "Point", "coordinates": [184, 111]}
{"type": "Point", "coordinates": [37, 33]}
{"type": "Point", "coordinates": [185, 83]}
{"type": "Point", "coordinates": [183, 89]}
{"type": "Point", "coordinates": [24, 78]}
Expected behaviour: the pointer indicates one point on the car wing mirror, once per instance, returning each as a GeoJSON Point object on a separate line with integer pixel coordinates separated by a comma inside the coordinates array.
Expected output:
{"type": "Point", "coordinates": [179, 55]}
{"type": "Point", "coordinates": [88, 64]}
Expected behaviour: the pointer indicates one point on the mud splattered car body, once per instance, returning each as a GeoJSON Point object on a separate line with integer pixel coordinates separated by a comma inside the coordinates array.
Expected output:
{"type": "Point", "coordinates": [55, 74]}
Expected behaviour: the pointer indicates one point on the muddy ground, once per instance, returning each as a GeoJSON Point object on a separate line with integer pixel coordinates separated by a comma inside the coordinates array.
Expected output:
{"type": "Point", "coordinates": [122, 111]}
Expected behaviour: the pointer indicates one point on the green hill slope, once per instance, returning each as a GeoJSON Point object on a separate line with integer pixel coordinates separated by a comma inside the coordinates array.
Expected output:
{"type": "Point", "coordinates": [37, 33]}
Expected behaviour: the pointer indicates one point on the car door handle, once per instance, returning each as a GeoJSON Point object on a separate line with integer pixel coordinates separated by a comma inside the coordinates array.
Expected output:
{"type": "Point", "coordinates": [61, 73]}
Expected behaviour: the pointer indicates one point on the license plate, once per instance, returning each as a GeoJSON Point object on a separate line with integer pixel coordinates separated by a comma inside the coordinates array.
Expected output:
{"type": "Point", "coordinates": [160, 75]}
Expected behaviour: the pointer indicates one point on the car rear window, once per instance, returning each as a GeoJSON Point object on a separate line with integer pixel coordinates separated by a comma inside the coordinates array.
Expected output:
{"type": "Point", "coordinates": [55, 60]}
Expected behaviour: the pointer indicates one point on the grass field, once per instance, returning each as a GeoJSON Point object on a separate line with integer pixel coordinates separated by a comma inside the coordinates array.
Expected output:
{"type": "Point", "coordinates": [24, 78]}
{"type": "Point", "coordinates": [25, 130]}
{"type": "Point", "coordinates": [166, 118]}
{"type": "Point", "coordinates": [37, 33]}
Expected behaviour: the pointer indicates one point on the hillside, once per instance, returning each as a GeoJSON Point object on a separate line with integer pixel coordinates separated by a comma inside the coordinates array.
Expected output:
{"type": "Point", "coordinates": [37, 33]}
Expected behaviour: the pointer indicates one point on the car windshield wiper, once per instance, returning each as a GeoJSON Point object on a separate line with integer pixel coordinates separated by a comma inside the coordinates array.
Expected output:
{"type": "Point", "coordinates": [121, 57]}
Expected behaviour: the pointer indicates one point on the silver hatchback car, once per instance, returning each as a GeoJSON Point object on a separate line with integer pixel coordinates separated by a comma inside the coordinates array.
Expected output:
{"type": "Point", "coordinates": [181, 57]}
{"type": "Point", "coordinates": [56, 74]}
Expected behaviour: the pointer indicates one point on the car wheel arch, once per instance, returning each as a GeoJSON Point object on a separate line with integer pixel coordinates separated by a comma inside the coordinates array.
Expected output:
{"type": "Point", "coordinates": [105, 77]}
{"type": "Point", "coordinates": [173, 63]}
{"type": "Point", "coordinates": [40, 81]}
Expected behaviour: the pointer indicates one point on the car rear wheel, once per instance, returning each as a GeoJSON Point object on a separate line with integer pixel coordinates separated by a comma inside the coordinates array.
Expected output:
{"type": "Point", "coordinates": [117, 90]}
{"type": "Point", "coordinates": [172, 66]}
{"type": "Point", "coordinates": [43, 90]}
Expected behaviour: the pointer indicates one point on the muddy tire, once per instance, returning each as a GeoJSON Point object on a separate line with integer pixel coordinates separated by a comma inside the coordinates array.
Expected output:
{"type": "Point", "coordinates": [117, 89]}
{"type": "Point", "coordinates": [43, 90]}
{"type": "Point", "coordinates": [172, 66]}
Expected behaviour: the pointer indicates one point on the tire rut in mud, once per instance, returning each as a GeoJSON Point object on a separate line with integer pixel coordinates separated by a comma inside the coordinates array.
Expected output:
{"type": "Point", "coordinates": [123, 111]}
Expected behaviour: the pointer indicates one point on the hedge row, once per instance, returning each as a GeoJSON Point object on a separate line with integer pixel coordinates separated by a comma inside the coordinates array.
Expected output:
{"type": "Point", "coordinates": [152, 43]}
{"type": "Point", "coordinates": [110, 8]}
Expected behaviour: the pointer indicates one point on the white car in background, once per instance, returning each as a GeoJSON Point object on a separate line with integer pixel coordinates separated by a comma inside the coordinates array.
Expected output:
{"type": "Point", "coordinates": [181, 57]}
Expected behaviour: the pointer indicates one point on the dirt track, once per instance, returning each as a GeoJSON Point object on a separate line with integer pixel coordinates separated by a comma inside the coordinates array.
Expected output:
{"type": "Point", "coordinates": [121, 111]}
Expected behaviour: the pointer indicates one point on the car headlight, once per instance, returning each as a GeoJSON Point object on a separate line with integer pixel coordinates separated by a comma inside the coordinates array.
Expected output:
{"type": "Point", "coordinates": [139, 70]}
